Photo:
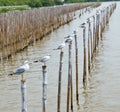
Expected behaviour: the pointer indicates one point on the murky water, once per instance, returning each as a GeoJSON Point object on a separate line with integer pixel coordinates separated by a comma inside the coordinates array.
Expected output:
{"type": "Point", "coordinates": [104, 85]}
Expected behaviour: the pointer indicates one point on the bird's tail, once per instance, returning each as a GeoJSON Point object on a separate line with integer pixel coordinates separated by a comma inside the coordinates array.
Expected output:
{"type": "Point", "coordinates": [55, 49]}
{"type": "Point", "coordinates": [35, 61]}
{"type": "Point", "coordinates": [10, 74]}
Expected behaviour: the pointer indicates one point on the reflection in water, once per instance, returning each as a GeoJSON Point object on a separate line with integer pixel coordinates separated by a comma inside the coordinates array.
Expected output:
{"type": "Point", "coordinates": [102, 92]}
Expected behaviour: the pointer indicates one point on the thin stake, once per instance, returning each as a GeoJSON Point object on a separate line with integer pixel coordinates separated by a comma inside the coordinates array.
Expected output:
{"type": "Point", "coordinates": [89, 47]}
{"type": "Point", "coordinates": [44, 94]}
{"type": "Point", "coordinates": [89, 59]}
{"type": "Point", "coordinates": [69, 80]}
{"type": "Point", "coordinates": [59, 82]}
{"type": "Point", "coordinates": [23, 92]}
{"type": "Point", "coordinates": [76, 58]}
{"type": "Point", "coordinates": [84, 66]}
{"type": "Point", "coordinates": [71, 93]}
{"type": "Point", "coordinates": [94, 38]}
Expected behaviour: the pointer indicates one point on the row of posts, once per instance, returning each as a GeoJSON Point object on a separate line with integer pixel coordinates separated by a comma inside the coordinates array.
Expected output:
{"type": "Point", "coordinates": [92, 34]}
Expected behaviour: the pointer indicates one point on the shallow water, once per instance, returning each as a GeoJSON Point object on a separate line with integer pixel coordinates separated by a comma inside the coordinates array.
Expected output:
{"type": "Point", "coordinates": [104, 85]}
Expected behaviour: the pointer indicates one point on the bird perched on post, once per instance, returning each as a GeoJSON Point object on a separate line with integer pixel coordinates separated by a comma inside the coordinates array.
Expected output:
{"type": "Point", "coordinates": [60, 46]}
{"type": "Point", "coordinates": [68, 39]}
{"type": "Point", "coordinates": [19, 71]}
{"type": "Point", "coordinates": [83, 25]}
{"type": "Point", "coordinates": [45, 58]}
{"type": "Point", "coordinates": [25, 67]}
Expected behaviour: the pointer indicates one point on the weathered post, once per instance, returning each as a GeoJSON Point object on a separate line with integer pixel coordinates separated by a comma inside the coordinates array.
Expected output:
{"type": "Point", "coordinates": [44, 59]}
{"type": "Point", "coordinates": [94, 38]}
{"type": "Point", "coordinates": [76, 60]}
{"type": "Point", "coordinates": [23, 93]}
{"type": "Point", "coordinates": [89, 46]}
{"type": "Point", "coordinates": [84, 63]}
{"type": "Point", "coordinates": [60, 47]}
{"type": "Point", "coordinates": [59, 81]}
{"type": "Point", "coordinates": [69, 89]}
{"type": "Point", "coordinates": [91, 39]}
{"type": "Point", "coordinates": [70, 69]}
{"type": "Point", "coordinates": [100, 24]}
{"type": "Point", "coordinates": [97, 31]}
{"type": "Point", "coordinates": [44, 89]}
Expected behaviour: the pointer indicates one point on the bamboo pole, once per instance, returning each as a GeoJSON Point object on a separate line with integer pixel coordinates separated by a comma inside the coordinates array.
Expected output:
{"type": "Point", "coordinates": [84, 63]}
{"type": "Point", "coordinates": [100, 25]}
{"type": "Point", "coordinates": [89, 45]}
{"type": "Point", "coordinates": [59, 82]}
{"type": "Point", "coordinates": [97, 31]}
{"type": "Point", "coordinates": [76, 59]}
{"type": "Point", "coordinates": [69, 80]}
{"type": "Point", "coordinates": [23, 93]}
{"type": "Point", "coordinates": [89, 59]}
{"type": "Point", "coordinates": [94, 40]}
{"type": "Point", "coordinates": [70, 55]}
{"type": "Point", "coordinates": [71, 91]}
{"type": "Point", "coordinates": [44, 89]}
{"type": "Point", "coordinates": [91, 40]}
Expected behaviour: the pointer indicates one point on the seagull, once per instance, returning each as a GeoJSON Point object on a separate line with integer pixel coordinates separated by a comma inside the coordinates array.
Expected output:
{"type": "Point", "coordinates": [69, 39]}
{"type": "Point", "coordinates": [45, 58]}
{"type": "Point", "coordinates": [60, 46]}
{"type": "Point", "coordinates": [19, 71]}
{"type": "Point", "coordinates": [83, 25]}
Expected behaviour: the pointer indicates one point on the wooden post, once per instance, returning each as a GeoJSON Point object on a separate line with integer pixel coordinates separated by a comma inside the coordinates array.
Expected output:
{"type": "Point", "coordinates": [84, 66]}
{"type": "Point", "coordinates": [69, 80]}
{"type": "Point", "coordinates": [23, 93]}
{"type": "Point", "coordinates": [76, 59]}
{"type": "Point", "coordinates": [89, 59]}
{"type": "Point", "coordinates": [59, 82]}
{"type": "Point", "coordinates": [91, 41]}
{"type": "Point", "coordinates": [97, 31]}
{"type": "Point", "coordinates": [70, 69]}
{"type": "Point", "coordinates": [100, 25]}
{"type": "Point", "coordinates": [98, 28]}
{"type": "Point", "coordinates": [44, 91]}
{"type": "Point", "coordinates": [94, 40]}
{"type": "Point", "coordinates": [71, 91]}
{"type": "Point", "coordinates": [89, 46]}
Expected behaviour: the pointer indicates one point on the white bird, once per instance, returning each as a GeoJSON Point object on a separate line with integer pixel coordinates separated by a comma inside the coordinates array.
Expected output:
{"type": "Point", "coordinates": [60, 46]}
{"type": "Point", "coordinates": [83, 25]}
{"type": "Point", "coordinates": [25, 67]}
{"type": "Point", "coordinates": [69, 39]}
{"type": "Point", "coordinates": [45, 58]}
{"type": "Point", "coordinates": [19, 71]}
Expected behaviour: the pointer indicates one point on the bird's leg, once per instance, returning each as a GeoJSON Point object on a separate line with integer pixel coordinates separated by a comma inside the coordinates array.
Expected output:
{"type": "Point", "coordinates": [44, 63]}
{"type": "Point", "coordinates": [22, 77]}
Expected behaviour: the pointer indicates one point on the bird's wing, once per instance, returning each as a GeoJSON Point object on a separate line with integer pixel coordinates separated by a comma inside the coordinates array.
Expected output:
{"type": "Point", "coordinates": [45, 58]}
{"type": "Point", "coordinates": [19, 70]}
